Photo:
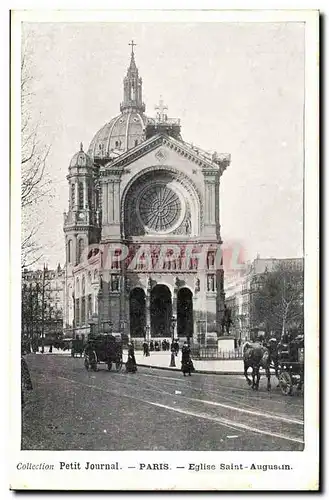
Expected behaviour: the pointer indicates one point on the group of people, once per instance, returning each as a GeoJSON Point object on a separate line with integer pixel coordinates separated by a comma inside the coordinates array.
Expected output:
{"type": "Point", "coordinates": [155, 346]}
{"type": "Point", "coordinates": [187, 364]}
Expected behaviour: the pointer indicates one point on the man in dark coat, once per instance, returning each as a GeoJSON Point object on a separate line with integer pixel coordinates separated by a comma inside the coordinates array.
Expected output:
{"type": "Point", "coordinates": [187, 365]}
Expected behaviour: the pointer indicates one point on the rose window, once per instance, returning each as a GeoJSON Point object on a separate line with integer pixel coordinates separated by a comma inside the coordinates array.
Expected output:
{"type": "Point", "coordinates": [159, 208]}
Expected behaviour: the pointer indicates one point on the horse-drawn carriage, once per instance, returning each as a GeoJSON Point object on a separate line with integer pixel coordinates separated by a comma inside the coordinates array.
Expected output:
{"type": "Point", "coordinates": [103, 348]}
{"type": "Point", "coordinates": [291, 364]}
{"type": "Point", "coordinates": [287, 359]}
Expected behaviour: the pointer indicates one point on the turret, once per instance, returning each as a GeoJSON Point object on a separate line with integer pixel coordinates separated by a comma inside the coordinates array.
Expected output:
{"type": "Point", "coordinates": [132, 87]}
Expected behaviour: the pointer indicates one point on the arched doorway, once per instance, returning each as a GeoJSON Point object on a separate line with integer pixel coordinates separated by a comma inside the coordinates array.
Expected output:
{"type": "Point", "coordinates": [137, 312]}
{"type": "Point", "coordinates": [161, 311]}
{"type": "Point", "coordinates": [185, 313]}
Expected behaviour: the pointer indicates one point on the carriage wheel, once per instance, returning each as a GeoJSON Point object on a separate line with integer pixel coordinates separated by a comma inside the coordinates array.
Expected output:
{"type": "Point", "coordinates": [118, 365]}
{"type": "Point", "coordinates": [285, 383]}
{"type": "Point", "coordinates": [109, 365]}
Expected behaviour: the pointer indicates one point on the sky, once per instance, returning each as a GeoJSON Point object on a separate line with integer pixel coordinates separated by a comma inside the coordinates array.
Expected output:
{"type": "Point", "coordinates": [238, 88]}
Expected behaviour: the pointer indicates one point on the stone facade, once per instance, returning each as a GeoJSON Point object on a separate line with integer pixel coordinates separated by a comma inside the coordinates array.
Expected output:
{"type": "Point", "coordinates": [43, 287]}
{"type": "Point", "coordinates": [143, 230]}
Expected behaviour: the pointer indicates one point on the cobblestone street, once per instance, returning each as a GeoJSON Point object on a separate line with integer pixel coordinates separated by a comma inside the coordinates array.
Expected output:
{"type": "Point", "coordinates": [72, 409]}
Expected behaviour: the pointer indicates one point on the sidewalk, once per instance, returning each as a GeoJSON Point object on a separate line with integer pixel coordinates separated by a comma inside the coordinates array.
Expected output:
{"type": "Point", "coordinates": [161, 360]}
{"type": "Point", "coordinates": [216, 366]}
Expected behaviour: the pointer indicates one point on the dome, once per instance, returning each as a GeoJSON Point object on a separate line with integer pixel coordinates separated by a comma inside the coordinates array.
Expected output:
{"type": "Point", "coordinates": [81, 159]}
{"type": "Point", "coordinates": [123, 132]}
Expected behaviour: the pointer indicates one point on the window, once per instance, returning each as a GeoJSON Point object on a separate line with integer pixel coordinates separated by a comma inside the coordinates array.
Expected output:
{"type": "Point", "coordinates": [90, 197]}
{"type": "Point", "coordinates": [77, 312]}
{"type": "Point", "coordinates": [80, 195]}
{"type": "Point", "coordinates": [80, 249]}
{"type": "Point", "coordinates": [90, 311]}
{"type": "Point", "coordinates": [69, 251]}
{"type": "Point", "coordinates": [72, 195]}
{"type": "Point", "coordinates": [83, 310]}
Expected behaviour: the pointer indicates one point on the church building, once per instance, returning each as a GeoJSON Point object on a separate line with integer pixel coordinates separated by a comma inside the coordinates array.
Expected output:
{"type": "Point", "coordinates": [142, 230]}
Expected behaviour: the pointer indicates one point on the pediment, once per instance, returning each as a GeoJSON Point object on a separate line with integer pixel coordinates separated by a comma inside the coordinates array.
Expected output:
{"type": "Point", "coordinates": [163, 148]}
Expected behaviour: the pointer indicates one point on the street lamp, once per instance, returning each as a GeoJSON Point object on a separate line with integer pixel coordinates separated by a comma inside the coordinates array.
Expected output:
{"type": "Point", "coordinates": [173, 324]}
{"type": "Point", "coordinates": [172, 358]}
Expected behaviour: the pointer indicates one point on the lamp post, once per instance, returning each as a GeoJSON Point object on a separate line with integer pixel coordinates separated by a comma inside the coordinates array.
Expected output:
{"type": "Point", "coordinates": [172, 358]}
{"type": "Point", "coordinates": [203, 322]}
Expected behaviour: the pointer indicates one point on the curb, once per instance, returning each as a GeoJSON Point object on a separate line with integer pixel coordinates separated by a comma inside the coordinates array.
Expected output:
{"type": "Point", "coordinates": [205, 372]}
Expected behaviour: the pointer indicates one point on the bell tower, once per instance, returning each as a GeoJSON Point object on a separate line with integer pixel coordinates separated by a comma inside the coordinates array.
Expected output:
{"type": "Point", "coordinates": [132, 87]}
{"type": "Point", "coordinates": [82, 221]}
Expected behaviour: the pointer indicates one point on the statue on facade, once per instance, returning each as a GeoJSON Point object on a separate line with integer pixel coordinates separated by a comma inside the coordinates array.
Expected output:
{"type": "Point", "coordinates": [211, 283]}
{"type": "Point", "coordinates": [149, 284]}
{"type": "Point", "coordinates": [115, 283]}
{"type": "Point", "coordinates": [127, 284]}
{"type": "Point", "coordinates": [177, 282]}
{"type": "Point", "coordinates": [197, 285]}
{"type": "Point", "coordinates": [188, 225]}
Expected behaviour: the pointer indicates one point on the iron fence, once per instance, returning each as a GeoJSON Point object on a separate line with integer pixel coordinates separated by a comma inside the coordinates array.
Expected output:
{"type": "Point", "coordinates": [214, 353]}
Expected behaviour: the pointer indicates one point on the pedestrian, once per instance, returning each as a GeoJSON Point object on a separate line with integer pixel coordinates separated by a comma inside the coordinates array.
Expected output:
{"type": "Point", "coordinates": [131, 365]}
{"type": "Point", "coordinates": [145, 346]}
{"type": "Point", "coordinates": [187, 364]}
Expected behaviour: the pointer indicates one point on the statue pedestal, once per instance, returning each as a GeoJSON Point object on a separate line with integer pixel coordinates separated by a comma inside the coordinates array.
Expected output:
{"type": "Point", "coordinates": [225, 343]}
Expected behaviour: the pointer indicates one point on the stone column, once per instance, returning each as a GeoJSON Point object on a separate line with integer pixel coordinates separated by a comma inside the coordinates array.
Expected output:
{"type": "Point", "coordinates": [111, 207]}
{"type": "Point", "coordinates": [211, 179]}
{"type": "Point", "coordinates": [148, 311]}
{"type": "Point", "coordinates": [105, 203]}
{"type": "Point", "coordinates": [174, 310]}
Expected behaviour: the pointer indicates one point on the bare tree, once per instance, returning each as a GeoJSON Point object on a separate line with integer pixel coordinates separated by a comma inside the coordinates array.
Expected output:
{"type": "Point", "coordinates": [278, 299]}
{"type": "Point", "coordinates": [35, 183]}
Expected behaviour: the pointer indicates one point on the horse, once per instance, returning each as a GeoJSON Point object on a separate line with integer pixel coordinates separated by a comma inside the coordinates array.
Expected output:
{"type": "Point", "coordinates": [256, 355]}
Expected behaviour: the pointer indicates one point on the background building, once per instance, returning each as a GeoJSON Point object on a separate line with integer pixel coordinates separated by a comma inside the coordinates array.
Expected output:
{"type": "Point", "coordinates": [42, 304]}
{"type": "Point", "coordinates": [140, 185]}
{"type": "Point", "coordinates": [248, 296]}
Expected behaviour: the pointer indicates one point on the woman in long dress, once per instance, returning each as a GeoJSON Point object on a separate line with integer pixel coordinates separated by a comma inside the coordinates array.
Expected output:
{"type": "Point", "coordinates": [187, 365]}
{"type": "Point", "coordinates": [131, 365]}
